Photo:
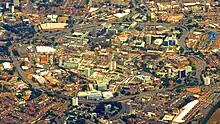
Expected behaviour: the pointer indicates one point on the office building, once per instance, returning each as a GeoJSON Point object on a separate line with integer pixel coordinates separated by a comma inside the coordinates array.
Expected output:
{"type": "Point", "coordinates": [75, 101]}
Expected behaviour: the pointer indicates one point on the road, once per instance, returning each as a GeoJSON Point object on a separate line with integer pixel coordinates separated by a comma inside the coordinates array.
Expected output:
{"type": "Point", "coordinates": [202, 64]}
{"type": "Point", "coordinates": [20, 72]}
{"type": "Point", "coordinates": [200, 67]}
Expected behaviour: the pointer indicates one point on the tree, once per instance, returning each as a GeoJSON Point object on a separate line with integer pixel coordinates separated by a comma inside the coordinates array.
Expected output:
{"type": "Point", "coordinates": [123, 92]}
{"type": "Point", "coordinates": [193, 67]}
{"type": "Point", "coordinates": [84, 87]}
{"type": "Point", "coordinates": [181, 50]}
{"type": "Point", "coordinates": [19, 96]}
{"type": "Point", "coordinates": [116, 94]}
{"type": "Point", "coordinates": [137, 92]}
{"type": "Point", "coordinates": [81, 121]}
{"type": "Point", "coordinates": [200, 54]}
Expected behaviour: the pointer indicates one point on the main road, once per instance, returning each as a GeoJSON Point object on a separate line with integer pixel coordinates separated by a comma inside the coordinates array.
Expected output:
{"type": "Point", "coordinates": [19, 71]}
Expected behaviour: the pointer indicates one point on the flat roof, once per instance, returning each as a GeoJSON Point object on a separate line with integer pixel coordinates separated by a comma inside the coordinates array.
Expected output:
{"type": "Point", "coordinates": [186, 109]}
{"type": "Point", "coordinates": [51, 26]}
{"type": "Point", "coordinates": [93, 9]}
{"type": "Point", "coordinates": [120, 15]}
{"type": "Point", "coordinates": [45, 49]}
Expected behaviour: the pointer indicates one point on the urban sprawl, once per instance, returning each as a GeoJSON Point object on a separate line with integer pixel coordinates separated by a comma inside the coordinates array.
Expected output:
{"type": "Point", "coordinates": [109, 61]}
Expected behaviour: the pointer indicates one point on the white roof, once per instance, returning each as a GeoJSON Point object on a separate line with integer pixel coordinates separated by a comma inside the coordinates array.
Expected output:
{"type": "Point", "coordinates": [43, 73]}
{"type": "Point", "coordinates": [127, 10]}
{"type": "Point", "coordinates": [45, 49]}
{"type": "Point", "coordinates": [24, 67]}
{"type": "Point", "coordinates": [77, 33]}
{"type": "Point", "coordinates": [107, 94]}
{"type": "Point", "coordinates": [6, 65]}
{"type": "Point", "coordinates": [52, 16]}
{"type": "Point", "coordinates": [49, 16]}
{"type": "Point", "coordinates": [55, 16]}
{"type": "Point", "coordinates": [49, 26]}
{"type": "Point", "coordinates": [186, 110]}
{"type": "Point", "coordinates": [82, 94]}
{"type": "Point", "coordinates": [190, 4]}
{"type": "Point", "coordinates": [120, 15]}
{"type": "Point", "coordinates": [93, 9]}
{"type": "Point", "coordinates": [26, 20]}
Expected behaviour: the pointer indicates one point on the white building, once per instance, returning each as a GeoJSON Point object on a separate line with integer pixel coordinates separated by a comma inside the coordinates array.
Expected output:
{"type": "Point", "coordinates": [75, 101]}
{"type": "Point", "coordinates": [7, 65]}
{"type": "Point", "coordinates": [107, 94]}
{"type": "Point", "coordinates": [45, 49]}
{"type": "Point", "coordinates": [53, 26]}
{"type": "Point", "coordinates": [185, 110]}
{"type": "Point", "coordinates": [207, 80]}
{"type": "Point", "coordinates": [12, 9]}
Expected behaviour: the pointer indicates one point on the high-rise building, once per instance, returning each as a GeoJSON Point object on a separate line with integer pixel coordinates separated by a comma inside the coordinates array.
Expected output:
{"type": "Point", "coordinates": [7, 5]}
{"type": "Point", "coordinates": [207, 80]}
{"type": "Point", "coordinates": [148, 39]}
{"type": "Point", "coordinates": [112, 65]}
{"type": "Point", "coordinates": [60, 61]}
{"type": "Point", "coordinates": [51, 59]}
{"type": "Point", "coordinates": [75, 101]}
{"type": "Point", "coordinates": [12, 9]}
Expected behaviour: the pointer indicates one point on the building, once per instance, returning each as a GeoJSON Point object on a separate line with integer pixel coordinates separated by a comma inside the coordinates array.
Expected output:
{"type": "Point", "coordinates": [86, 71]}
{"type": "Point", "coordinates": [52, 18]}
{"type": "Point", "coordinates": [180, 118]}
{"type": "Point", "coordinates": [12, 9]}
{"type": "Point", "coordinates": [7, 5]}
{"type": "Point", "coordinates": [22, 52]}
{"type": "Point", "coordinates": [62, 19]}
{"type": "Point", "coordinates": [16, 2]}
{"type": "Point", "coordinates": [207, 80]}
{"type": "Point", "coordinates": [7, 65]}
{"type": "Point", "coordinates": [194, 90]}
{"type": "Point", "coordinates": [95, 95]}
{"type": "Point", "coordinates": [188, 69]}
{"type": "Point", "coordinates": [53, 26]}
{"type": "Point", "coordinates": [61, 61]}
{"type": "Point", "coordinates": [128, 107]}
{"type": "Point", "coordinates": [189, 1]}
{"type": "Point", "coordinates": [175, 18]}
{"type": "Point", "coordinates": [102, 86]}
{"type": "Point", "coordinates": [170, 41]}
{"type": "Point", "coordinates": [83, 95]}
{"type": "Point", "coordinates": [45, 49]}
{"type": "Point", "coordinates": [168, 118]}
{"type": "Point", "coordinates": [148, 39]}
{"type": "Point", "coordinates": [182, 73]}
{"type": "Point", "coordinates": [112, 65]}
{"type": "Point", "coordinates": [51, 59]}
{"type": "Point", "coordinates": [75, 101]}
{"type": "Point", "coordinates": [107, 94]}
{"type": "Point", "coordinates": [44, 59]}
{"type": "Point", "coordinates": [39, 79]}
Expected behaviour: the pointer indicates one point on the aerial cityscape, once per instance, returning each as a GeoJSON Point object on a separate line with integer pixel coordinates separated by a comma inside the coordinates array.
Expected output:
{"type": "Point", "coordinates": [109, 62]}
